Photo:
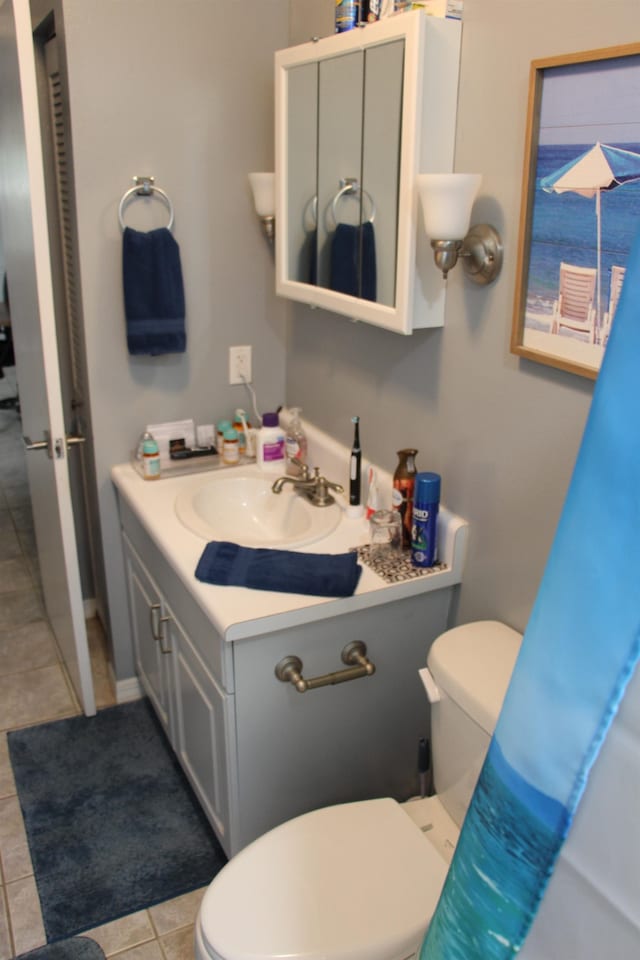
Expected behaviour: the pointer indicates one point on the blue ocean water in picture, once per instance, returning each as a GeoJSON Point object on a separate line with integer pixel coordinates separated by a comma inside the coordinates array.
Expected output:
{"type": "Point", "coordinates": [564, 227]}
{"type": "Point", "coordinates": [506, 815]}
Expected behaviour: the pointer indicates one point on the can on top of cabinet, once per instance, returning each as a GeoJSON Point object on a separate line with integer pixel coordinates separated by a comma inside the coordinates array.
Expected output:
{"type": "Point", "coordinates": [346, 15]}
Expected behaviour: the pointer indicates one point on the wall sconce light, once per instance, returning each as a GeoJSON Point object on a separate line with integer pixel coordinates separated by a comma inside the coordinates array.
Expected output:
{"type": "Point", "coordinates": [447, 199]}
{"type": "Point", "coordinates": [264, 200]}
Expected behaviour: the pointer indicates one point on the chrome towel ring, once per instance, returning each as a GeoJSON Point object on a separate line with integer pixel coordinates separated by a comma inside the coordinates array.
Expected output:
{"type": "Point", "coordinates": [144, 187]}
{"type": "Point", "coordinates": [349, 187]}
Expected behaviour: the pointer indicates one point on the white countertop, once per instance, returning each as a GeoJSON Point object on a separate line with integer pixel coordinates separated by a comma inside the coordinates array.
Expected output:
{"type": "Point", "coordinates": [238, 612]}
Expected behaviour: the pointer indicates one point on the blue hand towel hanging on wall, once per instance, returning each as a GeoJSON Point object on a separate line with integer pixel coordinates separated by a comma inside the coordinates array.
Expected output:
{"type": "Point", "coordinates": [353, 260]}
{"type": "Point", "coordinates": [153, 293]}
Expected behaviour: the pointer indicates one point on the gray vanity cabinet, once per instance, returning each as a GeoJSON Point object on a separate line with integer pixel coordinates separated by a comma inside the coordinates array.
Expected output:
{"type": "Point", "coordinates": [338, 743]}
{"type": "Point", "coordinates": [255, 750]}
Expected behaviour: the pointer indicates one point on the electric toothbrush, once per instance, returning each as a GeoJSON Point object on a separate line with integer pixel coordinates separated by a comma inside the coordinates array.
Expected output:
{"type": "Point", "coordinates": [355, 466]}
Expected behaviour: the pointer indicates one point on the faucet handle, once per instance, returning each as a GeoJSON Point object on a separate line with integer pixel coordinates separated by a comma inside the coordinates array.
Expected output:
{"type": "Point", "coordinates": [321, 496]}
{"type": "Point", "coordinates": [302, 467]}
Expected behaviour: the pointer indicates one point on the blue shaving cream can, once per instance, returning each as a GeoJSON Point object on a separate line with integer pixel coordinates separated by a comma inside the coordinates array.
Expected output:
{"type": "Point", "coordinates": [426, 502]}
{"type": "Point", "coordinates": [346, 15]}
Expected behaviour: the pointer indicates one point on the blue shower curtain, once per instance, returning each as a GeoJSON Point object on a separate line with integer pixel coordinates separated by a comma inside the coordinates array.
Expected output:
{"type": "Point", "coordinates": [580, 648]}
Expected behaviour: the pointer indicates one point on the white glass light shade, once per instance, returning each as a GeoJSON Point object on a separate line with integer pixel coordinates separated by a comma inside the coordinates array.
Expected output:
{"type": "Point", "coordinates": [263, 187]}
{"type": "Point", "coordinates": [447, 199]}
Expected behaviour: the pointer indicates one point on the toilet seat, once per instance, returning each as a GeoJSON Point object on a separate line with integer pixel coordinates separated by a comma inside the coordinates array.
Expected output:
{"type": "Point", "coordinates": [357, 881]}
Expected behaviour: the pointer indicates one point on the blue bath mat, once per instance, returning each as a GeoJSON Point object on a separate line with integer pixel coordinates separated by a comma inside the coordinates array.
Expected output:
{"type": "Point", "coordinates": [112, 823]}
{"type": "Point", "coordinates": [77, 948]}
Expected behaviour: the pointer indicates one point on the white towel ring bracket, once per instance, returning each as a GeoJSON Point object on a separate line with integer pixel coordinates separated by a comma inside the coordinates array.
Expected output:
{"type": "Point", "coordinates": [144, 187]}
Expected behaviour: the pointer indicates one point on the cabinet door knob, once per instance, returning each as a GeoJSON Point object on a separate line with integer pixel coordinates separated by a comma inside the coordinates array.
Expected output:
{"type": "Point", "coordinates": [289, 669]}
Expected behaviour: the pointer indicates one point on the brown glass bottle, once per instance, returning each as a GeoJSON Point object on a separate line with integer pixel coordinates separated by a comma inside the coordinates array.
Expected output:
{"type": "Point", "coordinates": [402, 494]}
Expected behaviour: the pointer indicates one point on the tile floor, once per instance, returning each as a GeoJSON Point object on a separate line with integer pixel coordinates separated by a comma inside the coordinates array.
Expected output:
{"type": "Point", "coordinates": [34, 688]}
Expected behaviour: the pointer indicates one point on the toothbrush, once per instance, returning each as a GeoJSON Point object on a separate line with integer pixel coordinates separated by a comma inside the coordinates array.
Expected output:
{"type": "Point", "coordinates": [372, 494]}
{"type": "Point", "coordinates": [354, 467]}
{"type": "Point", "coordinates": [242, 417]}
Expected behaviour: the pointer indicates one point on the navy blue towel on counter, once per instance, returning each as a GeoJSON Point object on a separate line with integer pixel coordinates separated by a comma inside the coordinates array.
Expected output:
{"type": "Point", "coordinates": [153, 292]}
{"type": "Point", "coordinates": [284, 571]}
{"type": "Point", "coordinates": [353, 260]}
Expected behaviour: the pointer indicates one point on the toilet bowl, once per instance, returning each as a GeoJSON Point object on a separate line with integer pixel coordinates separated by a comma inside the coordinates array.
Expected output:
{"type": "Point", "coordinates": [360, 881]}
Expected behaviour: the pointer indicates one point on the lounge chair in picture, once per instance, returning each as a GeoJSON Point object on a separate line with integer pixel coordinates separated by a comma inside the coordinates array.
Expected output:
{"type": "Point", "coordinates": [615, 289]}
{"type": "Point", "coordinates": [574, 309]}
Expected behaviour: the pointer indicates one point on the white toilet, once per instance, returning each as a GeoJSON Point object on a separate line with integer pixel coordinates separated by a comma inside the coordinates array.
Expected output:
{"type": "Point", "coordinates": [360, 881]}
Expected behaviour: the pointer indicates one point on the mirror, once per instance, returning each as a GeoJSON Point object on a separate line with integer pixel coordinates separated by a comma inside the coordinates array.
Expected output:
{"type": "Point", "coordinates": [342, 192]}
{"type": "Point", "coordinates": [350, 140]}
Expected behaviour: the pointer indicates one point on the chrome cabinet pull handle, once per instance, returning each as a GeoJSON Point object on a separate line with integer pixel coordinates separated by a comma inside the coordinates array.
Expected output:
{"type": "Point", "coordinates": [153, 609]}
{"type": "Point", "coordinates": [158, 633]}
{"type": "Point", "coordinates": [289, 669]}
{"type": "Point", "coordinates": [164, 645]}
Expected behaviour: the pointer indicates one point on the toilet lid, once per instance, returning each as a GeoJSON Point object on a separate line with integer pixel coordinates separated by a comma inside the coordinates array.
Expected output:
{"type": "Point", "coordinates": [357, 881]}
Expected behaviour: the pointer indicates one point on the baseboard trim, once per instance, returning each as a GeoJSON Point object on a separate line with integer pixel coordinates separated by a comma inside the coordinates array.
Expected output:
{"type": "Point", "coordinates": [90, 608]}
{"type": "Point", "coordinates": [129, 689]}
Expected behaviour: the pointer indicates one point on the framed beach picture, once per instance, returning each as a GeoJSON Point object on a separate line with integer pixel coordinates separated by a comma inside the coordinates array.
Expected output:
{"type": "Point", "coordinates": [580, 205]}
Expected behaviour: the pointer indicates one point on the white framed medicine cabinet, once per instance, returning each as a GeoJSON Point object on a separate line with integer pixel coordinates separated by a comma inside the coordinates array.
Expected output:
{"type": "Point", "coordinates": [358, 116]}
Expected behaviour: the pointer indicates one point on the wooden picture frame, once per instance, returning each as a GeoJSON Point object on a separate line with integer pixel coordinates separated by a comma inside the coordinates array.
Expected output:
{"type": "Point", "coordinates": [576, 229]}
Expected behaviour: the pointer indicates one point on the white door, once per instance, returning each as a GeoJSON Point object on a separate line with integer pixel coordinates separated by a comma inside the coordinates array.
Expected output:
{"type": "Point", "coordinates": [25, 235]}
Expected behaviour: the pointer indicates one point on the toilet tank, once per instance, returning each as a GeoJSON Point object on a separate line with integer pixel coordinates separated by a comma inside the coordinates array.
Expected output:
{"type": "Point", "coordinates": [471, 666]}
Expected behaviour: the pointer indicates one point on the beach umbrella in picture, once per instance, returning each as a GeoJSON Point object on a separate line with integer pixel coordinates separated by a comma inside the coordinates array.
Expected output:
{"type": "Point", "coordinates": [599, 168]}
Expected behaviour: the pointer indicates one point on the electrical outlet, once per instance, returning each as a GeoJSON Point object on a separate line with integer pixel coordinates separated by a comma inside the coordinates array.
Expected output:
{"type": "Point", "coordinates": [239, 365]}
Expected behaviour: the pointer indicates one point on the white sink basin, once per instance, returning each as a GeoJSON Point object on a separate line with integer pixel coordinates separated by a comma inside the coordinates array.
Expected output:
{"type": "Point", "coordinates": [241, 507]}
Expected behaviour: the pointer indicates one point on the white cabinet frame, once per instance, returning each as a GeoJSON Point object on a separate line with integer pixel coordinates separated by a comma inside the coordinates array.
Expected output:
{"type": "Point", "coordinates": [430, 92]}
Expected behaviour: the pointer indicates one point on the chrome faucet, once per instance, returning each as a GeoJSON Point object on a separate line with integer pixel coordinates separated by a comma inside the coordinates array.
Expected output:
{"type": "Point", "coordinates": [315, 488]}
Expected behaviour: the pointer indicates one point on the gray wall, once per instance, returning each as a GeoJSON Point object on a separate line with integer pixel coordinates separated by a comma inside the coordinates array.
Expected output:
{"type": "Point", "coordinates": [182, 91]}
{"type": "Point", "coordinates": [502, 432]}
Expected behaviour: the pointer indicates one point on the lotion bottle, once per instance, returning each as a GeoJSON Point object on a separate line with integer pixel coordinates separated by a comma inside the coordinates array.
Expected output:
{"type": "Point", "coordinates": [270, 453]}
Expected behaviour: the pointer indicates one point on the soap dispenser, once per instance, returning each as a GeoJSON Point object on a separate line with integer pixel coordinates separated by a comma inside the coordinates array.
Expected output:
{"type": "Point", "coordinates": [295, 444]}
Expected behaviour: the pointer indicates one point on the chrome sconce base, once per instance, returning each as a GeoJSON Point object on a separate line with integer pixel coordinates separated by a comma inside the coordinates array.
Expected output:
{"type": "Point", "coordinates": [264, 200]}
{"type": "Point", "coordinates": [269, 228]}
{"type": "Point", "coordinates": [481, 252]}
